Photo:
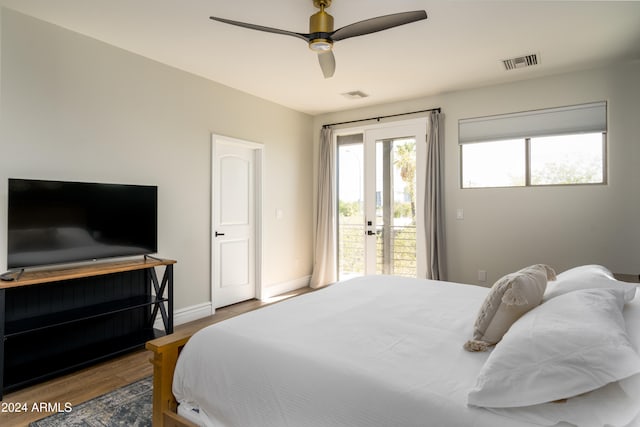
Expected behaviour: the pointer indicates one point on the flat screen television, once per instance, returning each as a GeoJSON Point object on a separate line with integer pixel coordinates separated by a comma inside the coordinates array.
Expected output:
{"type": "Point", "coordinates": [54, 222]}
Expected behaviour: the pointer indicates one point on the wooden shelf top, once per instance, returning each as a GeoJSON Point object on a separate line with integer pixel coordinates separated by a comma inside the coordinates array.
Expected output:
{"type": "Point", "coordinates": [97, 269]}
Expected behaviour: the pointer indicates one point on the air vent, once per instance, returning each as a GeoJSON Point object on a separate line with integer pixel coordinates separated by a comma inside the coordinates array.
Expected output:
{"type": "Point", "coordinates": [520, 62]}
{"type": "Point", "coordinates": [356, 94]}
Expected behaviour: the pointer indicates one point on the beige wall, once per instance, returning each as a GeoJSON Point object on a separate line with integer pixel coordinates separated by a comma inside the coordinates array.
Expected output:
{"type": "Point", "coordinates": [508, 228]}
{"type": "Point", "coordinates": [74, 108]}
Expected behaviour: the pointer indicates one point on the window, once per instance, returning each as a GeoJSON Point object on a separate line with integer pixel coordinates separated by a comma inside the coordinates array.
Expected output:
{"type": "Point", "coordinates": [493, 164]}
{"type": "Point", "coordinates": [559, 146]}
{"type": "Point", "coordinates": [567, 159]}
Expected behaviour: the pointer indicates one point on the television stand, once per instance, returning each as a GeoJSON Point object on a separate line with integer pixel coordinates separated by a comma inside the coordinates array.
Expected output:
{"type": "Point", "coordinates": [56, 321]}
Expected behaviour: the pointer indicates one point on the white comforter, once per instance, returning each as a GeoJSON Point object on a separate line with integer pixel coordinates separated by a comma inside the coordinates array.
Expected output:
{"type": "Point", "coordinates": [373, 351]}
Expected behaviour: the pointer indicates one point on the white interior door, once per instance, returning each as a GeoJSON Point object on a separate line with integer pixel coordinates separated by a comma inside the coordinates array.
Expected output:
{"type": "Point", "coordinates": [235, 222]}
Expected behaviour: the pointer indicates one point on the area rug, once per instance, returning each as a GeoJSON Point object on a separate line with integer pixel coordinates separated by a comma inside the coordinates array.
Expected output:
{"type": "Point", "coordinates": [128, 406]}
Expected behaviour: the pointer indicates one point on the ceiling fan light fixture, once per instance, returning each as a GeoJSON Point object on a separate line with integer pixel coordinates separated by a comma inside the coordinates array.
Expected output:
{"type": "Point", "coordinates": [320, 45]}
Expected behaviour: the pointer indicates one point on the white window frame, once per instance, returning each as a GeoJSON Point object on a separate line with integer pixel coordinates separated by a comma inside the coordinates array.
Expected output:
{"type": "Point", "coordinates": [523, 126]}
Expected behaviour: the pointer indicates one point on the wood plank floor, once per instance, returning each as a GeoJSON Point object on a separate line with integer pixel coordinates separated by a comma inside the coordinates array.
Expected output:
{"type": "Point", "coordinates": [102, 378]}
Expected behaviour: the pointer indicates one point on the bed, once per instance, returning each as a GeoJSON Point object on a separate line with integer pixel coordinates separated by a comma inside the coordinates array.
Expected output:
{"type": "Point", "coordinates": [388, 351]}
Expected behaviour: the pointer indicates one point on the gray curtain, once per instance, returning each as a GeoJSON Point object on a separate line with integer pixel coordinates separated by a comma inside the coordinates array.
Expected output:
{"type": "Point", "coordinates": [434, 227]}
{"type": "Point", "coordinates": [324, 266]}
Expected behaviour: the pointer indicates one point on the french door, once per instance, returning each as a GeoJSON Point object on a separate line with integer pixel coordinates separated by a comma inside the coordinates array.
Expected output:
{"type": "Point", "coordinates": [381, 173]}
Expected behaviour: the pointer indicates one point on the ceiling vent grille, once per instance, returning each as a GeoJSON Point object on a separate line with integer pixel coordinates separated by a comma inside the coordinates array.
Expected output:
{"type": "Point", "coordinates": [520, 62]}
{"type": "Point", "coordinates": [356, 94]}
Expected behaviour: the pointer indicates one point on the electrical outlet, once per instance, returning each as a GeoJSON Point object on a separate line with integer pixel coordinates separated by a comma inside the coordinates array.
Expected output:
{"type": "Point", "coordinates": [482, 276]}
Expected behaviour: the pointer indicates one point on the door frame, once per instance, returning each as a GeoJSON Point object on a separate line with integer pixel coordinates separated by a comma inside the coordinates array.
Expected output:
{"type": "Point", "coordinates": [388, 130]}
{"type": "Point", "coordinates": [258, 152]}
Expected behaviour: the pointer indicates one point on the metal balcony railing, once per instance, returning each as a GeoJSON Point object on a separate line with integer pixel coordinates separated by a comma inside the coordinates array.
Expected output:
{"type": "Point", "coordinates": [395, 250]}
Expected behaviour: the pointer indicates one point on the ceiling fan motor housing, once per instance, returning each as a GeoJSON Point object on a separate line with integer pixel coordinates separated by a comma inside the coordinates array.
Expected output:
{"type": "Point", "coordinates": [321, 25]}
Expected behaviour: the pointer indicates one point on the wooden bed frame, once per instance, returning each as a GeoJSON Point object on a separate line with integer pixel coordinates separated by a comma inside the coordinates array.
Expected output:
{"type": "Point", "coordinates": [165, 356]}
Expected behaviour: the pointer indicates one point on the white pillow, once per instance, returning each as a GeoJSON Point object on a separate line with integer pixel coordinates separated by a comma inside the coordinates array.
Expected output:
{"type": "Point", "coordinates": [587, 277]}
{"type": "Point", "coordinates": [569, 345]}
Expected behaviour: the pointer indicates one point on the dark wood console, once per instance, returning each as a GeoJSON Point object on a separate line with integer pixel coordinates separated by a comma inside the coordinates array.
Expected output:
{"type": "Point", "coordinates": [56, 321]}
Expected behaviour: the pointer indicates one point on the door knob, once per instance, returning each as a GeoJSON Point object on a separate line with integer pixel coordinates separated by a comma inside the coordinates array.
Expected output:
{"type": "Point", "coordinates": [219, 234]}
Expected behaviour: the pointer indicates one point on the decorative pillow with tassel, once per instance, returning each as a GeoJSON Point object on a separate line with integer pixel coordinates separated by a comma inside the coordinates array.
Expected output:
{"type": "Point", "coordinates": [510, 297]}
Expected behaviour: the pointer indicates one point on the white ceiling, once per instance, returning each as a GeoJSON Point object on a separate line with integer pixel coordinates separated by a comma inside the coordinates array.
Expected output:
{"type": "Point", "coordinates": [460, 45]}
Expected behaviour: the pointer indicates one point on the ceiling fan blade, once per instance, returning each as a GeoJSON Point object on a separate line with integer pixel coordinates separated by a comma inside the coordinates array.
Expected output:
{"type": "Point", "coordinates": [302, 36]}
{"type": "Point", "coordinates": [327, 63]}
{"type": "Point", "coordinates": [380, 23]}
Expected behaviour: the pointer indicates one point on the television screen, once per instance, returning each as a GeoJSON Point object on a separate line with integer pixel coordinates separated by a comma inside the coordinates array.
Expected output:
{"type": "Point", "coordinates": [53, 222]}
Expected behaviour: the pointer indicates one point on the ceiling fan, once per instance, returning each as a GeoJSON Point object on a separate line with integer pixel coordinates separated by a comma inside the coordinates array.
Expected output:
{"type": "Point", "coordinates": [321, 35]}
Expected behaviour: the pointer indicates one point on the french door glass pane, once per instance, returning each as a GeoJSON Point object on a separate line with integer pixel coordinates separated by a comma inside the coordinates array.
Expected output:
{"type": "Point", "coordinates": [351, 229]}
{"type": "Point", "coordinates": [396, 207]}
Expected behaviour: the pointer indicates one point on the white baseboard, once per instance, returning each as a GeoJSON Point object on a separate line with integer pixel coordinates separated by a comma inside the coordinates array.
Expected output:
{"type": "Point", "coordinates": [189, 314]}
{"type": "Point", "coordinates": [198, 311]}
{"type": "Point", "coordinates": [284, 287]}
{"type": "Point", "coordinates": [186, 315]}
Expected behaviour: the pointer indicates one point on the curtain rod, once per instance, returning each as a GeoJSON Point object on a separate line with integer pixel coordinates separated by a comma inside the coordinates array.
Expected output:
{"type": "Point", "coordinates": [381, 117]}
